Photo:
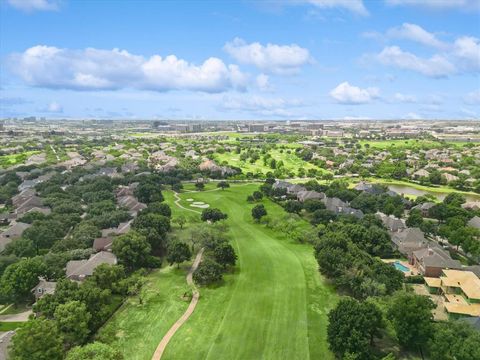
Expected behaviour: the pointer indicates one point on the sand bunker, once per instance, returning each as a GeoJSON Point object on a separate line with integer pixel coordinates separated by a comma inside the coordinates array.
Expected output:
{"type": "Point", "coordinates": [199, 204]}
{"type": "Point", "coordinates": [189, 199]}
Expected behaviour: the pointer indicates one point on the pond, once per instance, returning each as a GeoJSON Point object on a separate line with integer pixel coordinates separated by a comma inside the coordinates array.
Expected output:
{"type": "Point", "coordinates": [409, 190]}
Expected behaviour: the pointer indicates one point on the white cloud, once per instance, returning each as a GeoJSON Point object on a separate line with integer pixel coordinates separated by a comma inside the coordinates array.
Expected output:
{"type": "Point", "coordinates": [416, 33]}
{"type": "Point", "coordinates": [263, 82]}
{"type": "Point", "coordinates": [467, 51]}
{"type": "Point", "coordinates": [404, 98]}
{"type": "Point", "coordinates": [345, 93]}
{"type": "Point", "coordinates": [54, 107]}
{"type": "Point", "coordinates": [435, 66]}
{"type": "Point", "coordinates": [355, 6]}
{"type": "Point", "coordinates": [279, 59]}
{"type": "Point", "coordinates": [413, 116]}
{"type": "Point", "coordinates": [34, 5]}
{"type": "Point", "coordinates": [438, 4]}
{"type": "Point", "coordinates": [98, 69]}
{"type": "Point", "coordinates": [267, 106]}
{"type": "Point", "coordinates": [472, 98]}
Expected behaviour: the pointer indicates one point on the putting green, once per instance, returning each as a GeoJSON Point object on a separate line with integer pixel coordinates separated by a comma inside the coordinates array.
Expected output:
{"type": "Point", "coordinates": [274, 306]}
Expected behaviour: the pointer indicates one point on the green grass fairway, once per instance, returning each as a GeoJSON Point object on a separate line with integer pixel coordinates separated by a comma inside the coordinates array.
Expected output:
{"type": "Point", "coordinates": [274, 305]}
{"type": "Point", "coordinates": [291, 162]}
{"type": "Point", "coordinates": [137, 329]}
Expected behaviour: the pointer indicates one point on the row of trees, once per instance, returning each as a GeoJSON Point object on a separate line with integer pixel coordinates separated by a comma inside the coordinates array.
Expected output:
{"type": "Point", "coordinates": [73, 313]}
{"type": "Point", "coordinates": [354, 326]}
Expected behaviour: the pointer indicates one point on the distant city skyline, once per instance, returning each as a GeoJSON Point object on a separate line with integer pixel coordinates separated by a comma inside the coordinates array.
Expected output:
{"type": "Point", "coordinates": [311, 59]}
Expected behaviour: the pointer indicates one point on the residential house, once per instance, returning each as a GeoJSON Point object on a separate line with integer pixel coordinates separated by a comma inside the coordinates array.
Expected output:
{"type": "Point", "coordinates": [474, 222]}
{"type": "Point", "coordinates": [420, 174]}
{"type": "Point", "coordinates": [340, 207]}
{"type": "Point", "coordinates": [43, 288]}
{"type": "Point", "coordinates": [409, 240]}
{"type": "Point", "coordinates": [460, 290]}
{"type": "Point", "coordinates": [432, 260]}
{"type": "Point", "coordinates": [424, 208]}
{"type": "Point", "coordinates": [391, 222]}
{"type": "Point", "coordinates": [103, 243]}
{"type": "Point", "coordinates": [79, 270]}
{"type": "Point", "coordinates": [13, 232]}
{"type": "Point", "coordinates": [471, 205]}
{"type": "Point", "coordinates": [309, 195]}
{"type": "Point", "coordinates": [449, 177]}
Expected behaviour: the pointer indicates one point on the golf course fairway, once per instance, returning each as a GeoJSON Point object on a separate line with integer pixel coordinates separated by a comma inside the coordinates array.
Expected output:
{"type": "Point", "coordinates": [275, 303]}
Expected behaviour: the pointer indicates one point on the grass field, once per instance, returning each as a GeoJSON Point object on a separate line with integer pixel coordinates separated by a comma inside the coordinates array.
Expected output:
{"type": "Point", "coordinates": [410, 143]}
{"type": "Point", "coordinates": [291, 162]}
{"type": "Point", "coordinates": [273, 306]}
{"type": "Point", "coordinates": [14, 159]}
{"type": "Point", "coordinates": [138, 328]}
{"type": "Point", "coordinates": [8, 326]}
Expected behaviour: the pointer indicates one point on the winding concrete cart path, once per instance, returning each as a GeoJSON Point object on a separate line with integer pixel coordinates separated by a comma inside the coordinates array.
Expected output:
{"type": "Point", "coordinates": [157, 355]}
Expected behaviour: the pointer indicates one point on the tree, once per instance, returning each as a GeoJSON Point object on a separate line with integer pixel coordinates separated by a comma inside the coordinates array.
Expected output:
{"type": "Point", "coordinates": [94, 351]}
{"type": "Point", "coordinates": [106, 276]}
{"type": "Point", "coordinates": [454, 199]}
{"type": "Point", "coordinates": [323, 216]}
{"type": "Point", "coordinates": [293, 206]}
{"type": "Point", "coordinates": [223, 185]}
{"type": "Point", "coordinates": [199, 186]}
{"type": "Point", "coordinates": [38, 339]}
{"type": "Point", "coordinates": [313, 205]}
{"type": "Point", "coordinates": [224, 254]}
{"type": "Point", "coordinates": [72, 320]}
{"type": "Point", "coordinates": [213, 215]}
{"type": "Point", "coordinates": [352, 327]}
{"type": "Point", "coordinates": [147, 192]}
{"type": "Point", "coordinates": [132, 250]}
{"type": "Point", "coordinates": [159, 223]}
{"type": "Point", "coordinates": [454, 340]}
{"type": "Point", "coordinates": [180, 220]}
{"type": "Point", "coordinates": [415, 218]}
{"type": "Point", "coordinates": [257, 195]}
{"type": "Point", "coordinates": [19, 278]}
{"type": "Point", "coordinates": [412, 319]}
{"type": "Point", "coordinates": [207, 272]}
{"type": "Point", "coordinates": [159, 208]}
{"type": "Point", "coordinates": [178, 252]}
{"type": "Point", "coordinates": [43, 233]}
{"type": "Point", "coordinates": [85, 233]}
{"type": "Point", "coordinates": [258, 212]}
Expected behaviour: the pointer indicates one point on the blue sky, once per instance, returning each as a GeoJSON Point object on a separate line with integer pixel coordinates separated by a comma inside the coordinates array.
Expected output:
{"type": "Point", "coordinates": [289, 59]}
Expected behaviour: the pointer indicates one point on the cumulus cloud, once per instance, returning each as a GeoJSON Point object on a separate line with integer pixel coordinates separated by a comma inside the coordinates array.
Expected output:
{"type": "Point", "coordinates": [34, 5]}
{"type": "Point", "coordinates": [268, 106]}
{"type": "Point", "coordinates": [413, 116]}
{"type": "Point", "coordinates": [355, 6]}
{"type": "Point", "coordinates": [404, 98]}
{"type": "Point", "coordinates": [279, 59]}
{"type": "Point", "coordinates": [263, 82]}
{"type": "Point", "coordinates": [345, 93]}
{"type": "Point", "coordinates": [438, 4]}
{"type": "Point", "coordinates": [54, 107]}
{"type": "Point", "coordinates": [467, 50]}
{"type": "Point", "coordinates": [472, 98]}
{"type": "Point", "coordinates": [416, 33]}
{"type": "Point", "coordinates": [98, 69]}
{"type": "Point", "coordinates": [435, 66]}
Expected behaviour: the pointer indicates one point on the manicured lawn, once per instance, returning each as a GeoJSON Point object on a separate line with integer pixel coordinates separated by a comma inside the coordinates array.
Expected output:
{"type": "Point", "coordinates": [8, 326]}
{"type": "Point", "coordinates": [137, 329]}
{"type": "Point", "coordinates": [273, 306]}
{"type": "Point", "coordinates": [291, 162]}
{"type": "Point", "coordinates": [14, 159]}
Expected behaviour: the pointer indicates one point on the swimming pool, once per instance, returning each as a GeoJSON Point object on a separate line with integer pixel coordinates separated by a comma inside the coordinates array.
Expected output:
{"type": "Point", "coordinates": [399, 266]}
